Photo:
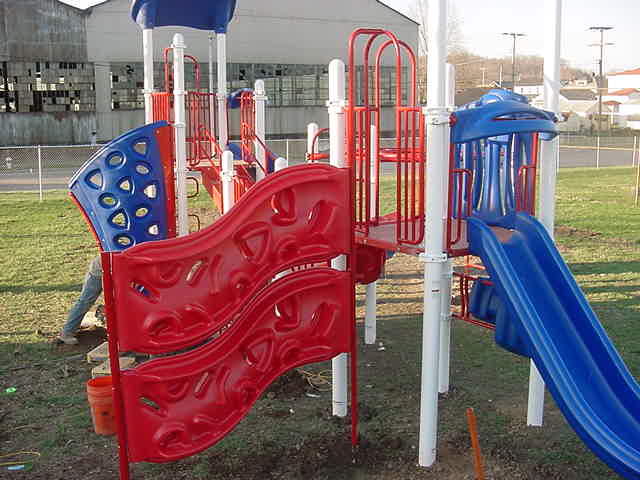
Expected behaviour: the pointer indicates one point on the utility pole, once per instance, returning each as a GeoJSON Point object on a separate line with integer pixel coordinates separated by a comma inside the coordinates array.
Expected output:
{"type": "Point", "coordinates": [513, 57]}
{"type": "Point", "coordinates": [600, 77]}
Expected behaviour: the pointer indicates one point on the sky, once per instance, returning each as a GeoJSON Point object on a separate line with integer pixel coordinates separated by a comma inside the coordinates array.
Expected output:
{"type": "Point", "coordinates": [483, 21]}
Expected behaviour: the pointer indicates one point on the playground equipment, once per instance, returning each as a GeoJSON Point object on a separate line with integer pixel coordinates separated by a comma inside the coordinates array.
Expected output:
{"type": "Point", "coordinates": [252, 295]}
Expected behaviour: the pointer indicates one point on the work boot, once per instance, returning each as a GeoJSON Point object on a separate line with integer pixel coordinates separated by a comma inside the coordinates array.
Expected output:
{"type": "Point", "coordinates": [68, 338]}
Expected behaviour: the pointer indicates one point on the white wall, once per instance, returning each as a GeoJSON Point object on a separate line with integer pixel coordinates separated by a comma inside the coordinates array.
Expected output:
{"type": "Point", "coordinates": [618, 82]}
{"type": "Point", "coordinates": [282, 31]}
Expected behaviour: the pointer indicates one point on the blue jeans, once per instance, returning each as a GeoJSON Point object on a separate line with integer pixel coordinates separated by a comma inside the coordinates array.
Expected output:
{"type": "Point", "coordinates": [91, 290]}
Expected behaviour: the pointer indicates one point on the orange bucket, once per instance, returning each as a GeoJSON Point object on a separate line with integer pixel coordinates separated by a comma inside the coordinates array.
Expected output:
{"type": "Point", "coordinates": [101, 403]}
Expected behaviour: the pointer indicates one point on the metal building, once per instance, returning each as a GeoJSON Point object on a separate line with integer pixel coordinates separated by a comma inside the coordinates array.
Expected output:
{"type": "Point", "coordinates": [66, 72]}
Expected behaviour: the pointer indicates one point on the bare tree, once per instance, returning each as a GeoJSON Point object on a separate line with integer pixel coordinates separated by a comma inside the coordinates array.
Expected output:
{"type": "Point", "coordinates": [455, 38]}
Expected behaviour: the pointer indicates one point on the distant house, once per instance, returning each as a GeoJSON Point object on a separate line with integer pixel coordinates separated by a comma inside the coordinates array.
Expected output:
{"type": "Point", "coordinates": [621, 96]}
{"type": "Point", "coordinates": [630, 111]}
{"type": "Point", "coordinates": [530, 90]}
{"type": "Point", "coordinates": [578, 107]}
{"type": "Point", "coordinates": [623, 80]}
{"type": "Point", "coordinates": [469, 95]}
{"type": "Point", "coordinates": [578, 93]}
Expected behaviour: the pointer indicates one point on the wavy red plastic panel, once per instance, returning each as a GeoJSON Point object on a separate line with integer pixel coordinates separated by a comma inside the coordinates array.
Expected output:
{"type": "Point", "coordinates": [176, 293]}
{"type": "Point", "coordinates": [178, 406]}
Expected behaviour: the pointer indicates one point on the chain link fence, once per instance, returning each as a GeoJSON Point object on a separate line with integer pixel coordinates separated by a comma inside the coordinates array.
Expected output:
{"type": "Point", "coordinates": [37, 169]}
{"type": "Point", "coordinates": [41, 168]}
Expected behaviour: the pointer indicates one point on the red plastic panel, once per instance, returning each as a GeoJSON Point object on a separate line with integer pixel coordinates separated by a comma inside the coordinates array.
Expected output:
{"type": "Point", "coordinates": [173, 294]}
{"type": "Point", "coordinates": [178, 406]}
{"type": "Point", "coordinates": [164, 136]}
{"type": "Point", "coordinates": [369, 263]}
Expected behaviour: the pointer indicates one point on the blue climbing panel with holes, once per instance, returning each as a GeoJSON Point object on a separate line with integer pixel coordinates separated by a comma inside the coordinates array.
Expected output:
{"type": "Point", "coordinates": [122, 190]}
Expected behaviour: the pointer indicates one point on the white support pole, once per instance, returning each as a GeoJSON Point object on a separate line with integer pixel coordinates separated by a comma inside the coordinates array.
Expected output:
{"type": "Point", "coordinates": [212, 110]}
{"type": "Point", "coordinates": [549, 165]}
{"type": "Point", "coordinates": [371, 291]}
{"type": "Point", "coordinates": [40, 171]}
{"type": "Point", "coordinates": [336, 105]}
{"type": "Point", "coordinates": [451, 87]}
{"type": "Point", "coordinates": [437, 124]}
{"type": "Point", "coordinates": [227, 175]}
{"type": "Point", "coordinates": [223, 127]}
{"type": "Point", "coordinates": [280, 164]}
{"type": "Point", "coordinates": [180, 136]}
{"type": "Point", "coordinates": [312, 131]}
{"type": "Point", "coordinates": [260, 126]}
{"type": "Point", "coordinates": [447, 271]}
{"type": "Point", "coordinates": [147, 52]}
{"type": "Point", "coordinates": [445, 328]}
{"type": "Point", "coordinates": [633, 152]}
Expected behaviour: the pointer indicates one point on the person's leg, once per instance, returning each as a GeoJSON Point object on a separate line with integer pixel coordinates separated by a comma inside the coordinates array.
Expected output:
{"type": "Point", "coordinates": [91, 289]}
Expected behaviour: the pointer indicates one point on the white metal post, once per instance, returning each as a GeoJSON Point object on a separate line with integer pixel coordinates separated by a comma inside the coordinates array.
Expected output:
{"type": "Point", "coordinates": [223, 128]}
{"type": "Point", "coordinates": [549, 165]}
{"type": "Point", "coordinates": [336, 105]}
{"type": "Point", "coordinates": [260, 123]}
{"type": "Point", "coordinates": [280, 164]}
{"type": "Point", "coordinates": [147, 52]}
{"type": "Point", "coordinates": [371, 291]}
{"type": "Point", "coordinates": [212, 110]}
{"type": "Point", "coordinates": [445, 328]}
{"type": "Point", "coordinates": [180, 136]}
{"type": "Point", "coordinates": [437, 131]}
{"type": "Point", "coordinates": [40, 171]}
{"type": "Point", "coordinates": [633, 152]}
{"type": "Point", "coordinates": [312, 131]}
{"type": "Point", "coordinates": [447, 271]}
{"type": "Point", "coordinates": [228, 199]}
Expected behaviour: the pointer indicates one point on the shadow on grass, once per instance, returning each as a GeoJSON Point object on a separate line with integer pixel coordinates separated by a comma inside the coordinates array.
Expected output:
{"type": "Point", "coordinates": [67, 287]}
{"type": "Point", "coordinates": [632, 266]}
{"type": "Point", "coordinates": [387, 300]}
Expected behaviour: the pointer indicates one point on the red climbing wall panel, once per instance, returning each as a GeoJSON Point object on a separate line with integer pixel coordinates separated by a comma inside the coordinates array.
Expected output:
{"type": "Point", "coordinates": [213, 292]}
{"type": "Point", "coordinates": [178, 406]}
{"type": "Point", "coordinates": [173, 294]}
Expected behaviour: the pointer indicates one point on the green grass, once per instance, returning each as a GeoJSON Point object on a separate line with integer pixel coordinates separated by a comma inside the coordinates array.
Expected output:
{"type": "Point", "coordinates": [44, 251]}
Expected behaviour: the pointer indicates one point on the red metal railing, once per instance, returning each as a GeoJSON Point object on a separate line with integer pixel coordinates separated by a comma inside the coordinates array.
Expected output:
{"type": "Point", "coordinates": [200, 108]}
{"type": "Point", "coordinates": [465, 278]}
{"type": "Point", "coordinates": [312, 156]}
{"type": "Point", "coordinates": [525, 188]}
{"type": "Point", "coordinates": [364, 153]}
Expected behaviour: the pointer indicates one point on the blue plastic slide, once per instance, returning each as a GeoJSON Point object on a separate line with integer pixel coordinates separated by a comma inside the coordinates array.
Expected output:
{"type": "Point", "coordinates": [582, 369]}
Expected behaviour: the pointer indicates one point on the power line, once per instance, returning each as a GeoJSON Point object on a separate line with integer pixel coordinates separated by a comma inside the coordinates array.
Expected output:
{"type": "Point", "coordinates": [513, 57]}
{"type": "Point", "coordinates": [600, 76]}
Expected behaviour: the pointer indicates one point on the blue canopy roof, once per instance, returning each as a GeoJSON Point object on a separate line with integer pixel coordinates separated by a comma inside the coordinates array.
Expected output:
{"type": "Point", "coordinates": [211, 15]}
{"type": "Point", "coordinates": [500, 112]}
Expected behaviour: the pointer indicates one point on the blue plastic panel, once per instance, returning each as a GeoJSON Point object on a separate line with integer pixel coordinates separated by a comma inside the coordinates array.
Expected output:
{"type": "Point", "coordinates": [212, 15]}
{"type": "Point", "coordinates": [121, 189]}
{"type": "Point", "coordinates": [582, 369]}
{"type": "Point", "coordinates": [485, 304]}
{"type": "Point", "coordinates": [235, 97]}
{"type": "Point", "coordinates": [501, 113]}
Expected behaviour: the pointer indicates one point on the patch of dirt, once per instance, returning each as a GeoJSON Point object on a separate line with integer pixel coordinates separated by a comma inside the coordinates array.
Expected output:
{"type": "Point", "coordinates": [575, 232]}
{"type": "Point", "coordinates": [88, 338]}
{"type": "Point", "coordinates": [292, 384]}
